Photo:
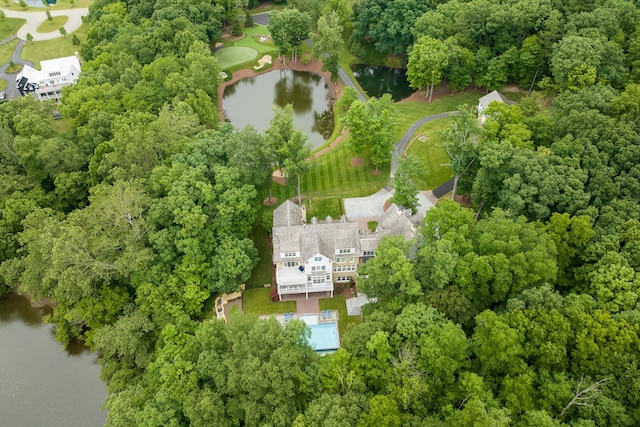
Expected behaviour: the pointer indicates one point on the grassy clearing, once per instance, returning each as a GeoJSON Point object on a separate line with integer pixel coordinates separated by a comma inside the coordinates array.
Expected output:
{"type": "Point", "coordinates": [434, 171]}
{"type": "Point", "coordinates": [251, 40]}
{"type": "Point", "coordinates": [258, 302]}
{"type": "Point", "coordinates": [339, 303]}
{"type": "Point", "coordinates": [10, 26]}
{"type": "Point", "coordinates": [323, 207]}
{"type": "Point", "coordinates": [55, 48]}
{"type": "Point", "coordinates": [52, 25]}
{"type": "Point", "coordinates": [6, 50]}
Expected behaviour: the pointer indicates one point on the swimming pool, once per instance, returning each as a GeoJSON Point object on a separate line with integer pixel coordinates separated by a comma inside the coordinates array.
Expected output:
{"type": "Point", "coordinates": [324, 336]}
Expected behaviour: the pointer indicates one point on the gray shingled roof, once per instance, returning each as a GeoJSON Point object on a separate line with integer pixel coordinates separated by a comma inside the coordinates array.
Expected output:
{"type": "Point", "coordinates": [493, 96]}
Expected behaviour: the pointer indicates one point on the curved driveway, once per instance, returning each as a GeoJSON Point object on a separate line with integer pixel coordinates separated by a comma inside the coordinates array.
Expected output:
{"type": "Point", "coordinates": [34, 19]}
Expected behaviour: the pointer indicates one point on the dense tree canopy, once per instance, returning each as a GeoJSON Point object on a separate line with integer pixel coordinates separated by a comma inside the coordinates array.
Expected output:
{"type": "Point", "coordinates": [137, 211]}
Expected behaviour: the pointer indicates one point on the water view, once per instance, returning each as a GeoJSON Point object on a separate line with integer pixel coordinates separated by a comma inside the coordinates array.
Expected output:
{"type": "Point", "coordinates": [249, 102]}
{"type": "Point", "coordinates": [377, 80]}
{"type": "Point", "coordinates": [43, 384]}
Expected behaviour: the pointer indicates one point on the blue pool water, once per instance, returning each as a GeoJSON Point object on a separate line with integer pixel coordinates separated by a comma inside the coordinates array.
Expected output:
{"type": "Point", "coordinates": [324, 336]}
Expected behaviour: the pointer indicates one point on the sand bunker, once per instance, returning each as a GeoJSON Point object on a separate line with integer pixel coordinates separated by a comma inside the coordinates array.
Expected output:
{"type": "Point", "coordinates": [262, 61]}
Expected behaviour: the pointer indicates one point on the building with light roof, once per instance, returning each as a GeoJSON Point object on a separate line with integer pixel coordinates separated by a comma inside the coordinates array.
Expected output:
{"type": "Point", "coordinates": [48, 82]}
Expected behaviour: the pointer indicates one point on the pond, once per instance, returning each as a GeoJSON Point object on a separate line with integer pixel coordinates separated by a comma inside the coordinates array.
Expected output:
{"type": "Point", "coordinates": [249, 102]}
{"type": "Point", "coordinates": [377, 80]}
{"type": "Point", "coordinates": [43, 384]}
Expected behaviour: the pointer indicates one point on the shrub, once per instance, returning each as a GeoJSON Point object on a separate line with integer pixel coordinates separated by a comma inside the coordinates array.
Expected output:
{"type": "Point", "coordinates": [356, 47]}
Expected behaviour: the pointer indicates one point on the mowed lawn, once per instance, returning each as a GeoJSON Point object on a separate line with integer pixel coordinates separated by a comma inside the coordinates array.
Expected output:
{"type": "Point", "coordinates": [435, 170]}
{"type": "Point", "coordinates": [258, 302]}
{"type": "Point", "coordinates": [36, 51]}
{"type": "Point", "coordinates": [235, 55]}
{"type": "Point", "coordinates": [10, 26]}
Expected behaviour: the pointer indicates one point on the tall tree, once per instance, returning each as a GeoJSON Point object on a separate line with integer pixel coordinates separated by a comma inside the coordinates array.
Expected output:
{"type": "Point", "coordinates": [427, 62]}
{"type": "Point", "coordinates": [460, 142]}
{"type": "Point", "coordinates": [289, 28]}
{"type": "Point", "coordinates": [328, 42]}
{"type": "Point", "coordinates": [289, 144]}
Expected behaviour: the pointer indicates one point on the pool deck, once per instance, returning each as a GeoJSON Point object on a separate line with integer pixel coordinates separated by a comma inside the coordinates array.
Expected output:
{"type": "Point", "coordinates": [332, 317]}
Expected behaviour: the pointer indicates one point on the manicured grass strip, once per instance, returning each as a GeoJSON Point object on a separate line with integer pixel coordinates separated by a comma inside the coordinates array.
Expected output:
{"type": "Point", "coordinates": [10, 26]}
{"type": "Point", "coordinates": [6, 50]}
{"type": "Point", "coordinates": [56, 48]}
{"type": "Point", "coordinates": [339, 303]}
{"type": "Point", "coordinates": [257, 301]}
{"type": "Point", "coordinates": [434, 171]}
{"type": "Point", "coordinates": [52, 25]}
{"type": "Point", "coordinates": [261, 274]}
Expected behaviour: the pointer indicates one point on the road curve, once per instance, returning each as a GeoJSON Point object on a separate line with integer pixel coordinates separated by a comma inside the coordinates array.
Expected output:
{"type": "Point", "coordinates": [34, 19]}
{"type": "Point", "coordinates": [401, 145]}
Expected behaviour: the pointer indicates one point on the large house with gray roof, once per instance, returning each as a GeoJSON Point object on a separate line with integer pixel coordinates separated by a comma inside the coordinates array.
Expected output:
{"type": "Point", "coordinates": [315, 256]}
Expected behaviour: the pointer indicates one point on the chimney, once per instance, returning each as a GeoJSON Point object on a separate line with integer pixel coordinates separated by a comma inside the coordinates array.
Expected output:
{"type": "Point", "coordinates": [303, 213]}
{"type": "Point", "coordinates": [78, 57]}
{"type": "Point", "coordinates": [328, 219]}
{"type": "Point", "coordinates": [314, 220]}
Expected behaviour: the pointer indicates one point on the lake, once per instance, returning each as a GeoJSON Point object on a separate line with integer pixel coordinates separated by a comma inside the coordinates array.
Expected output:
{"type": "Point", "coordinates": [42, 383]}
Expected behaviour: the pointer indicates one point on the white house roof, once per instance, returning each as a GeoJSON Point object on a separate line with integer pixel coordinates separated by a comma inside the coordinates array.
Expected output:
{"type": "Point", "coordinates": [60, 67]}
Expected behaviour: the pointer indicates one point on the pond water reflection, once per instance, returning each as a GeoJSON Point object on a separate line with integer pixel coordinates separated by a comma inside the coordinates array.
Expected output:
{"type": "Point", "coordinates": [43, 384]}
{"type": "Point", "coordinates": [377, 80]}
{"type": "Point", "coordinates": [249, 102]}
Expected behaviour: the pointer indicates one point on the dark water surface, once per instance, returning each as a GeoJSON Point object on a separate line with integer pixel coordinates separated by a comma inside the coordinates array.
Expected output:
{"type": "Point", "coordinates": [249, 102]}
{"type": "Point", "coordinates": [41, 383]}
{"type": "Point", "coordinates": [377, 80]}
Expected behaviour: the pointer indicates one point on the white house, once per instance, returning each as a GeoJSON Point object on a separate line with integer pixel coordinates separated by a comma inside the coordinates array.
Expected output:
{"type": "Point", "coordinates": [484, 102]}
{"type": "Point", "coordinates": [48, 82]}
{"type": "Point", "coordinates": [313, 257]}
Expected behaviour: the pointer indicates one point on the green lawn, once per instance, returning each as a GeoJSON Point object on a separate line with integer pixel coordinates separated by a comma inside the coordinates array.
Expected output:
{"type": "Point", "coordinates": [410, 112]}
{"type": "Point", "coordinates": [52, 25]}
{"type": "Point", "coordinates": [434, 172]}
{"type": "Point", "coordinates": [323, 207]}
{"type": "Point", "coordinates": [339, 303]}
{"type": "Point", "coordinates": [235, 55]}
{"type": "Point", "coordinates": [331, 175]}
{"type": "Point", "coordinates": [10, 26]}
{"type": "Point", "coordinates": [6, 50]}
{"type": "Point", "coordinates": [261, 274]}
{"type": "Point", "coordinates": [36, 51]}
{"type": "Point", "coordinates": [257, 301]}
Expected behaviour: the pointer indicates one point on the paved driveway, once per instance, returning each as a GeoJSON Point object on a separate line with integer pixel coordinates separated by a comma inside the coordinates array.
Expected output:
{"type": "Point", "coordinates": [34, 19]}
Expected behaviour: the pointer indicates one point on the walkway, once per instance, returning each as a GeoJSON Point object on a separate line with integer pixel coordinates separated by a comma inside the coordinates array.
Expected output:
{"type": "Point", "coordinates": [34, 19]}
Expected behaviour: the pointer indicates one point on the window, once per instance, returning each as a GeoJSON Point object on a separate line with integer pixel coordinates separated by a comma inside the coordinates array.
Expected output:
{"type": "Point", "coordinates": [319, 280]}
{"type": "Point", "coordinates": [368, 253]}
{"type": "Point", "coordinates": [341, 268]}
{"type": "Point", "coordinates": [55, 74]}
{"type": "Point", "coordinates": [345, 251]}
{"type": "Point", "coordinates": [289, 254]}
{"type": "Point", "coordinates": [318, 258]}
{"type": "Point", "coordinates": [323, 267]}
{"type": "Point", "coordinates": [341, 259]}
{"type": "Point", "coordinates": [351, 259]}
{"type": "Point", "coordinates": [342, 278]}
{"type": "Point", "coordinates": [313, 268]}
{"type": "Point", "coordinates": [291, 263]}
